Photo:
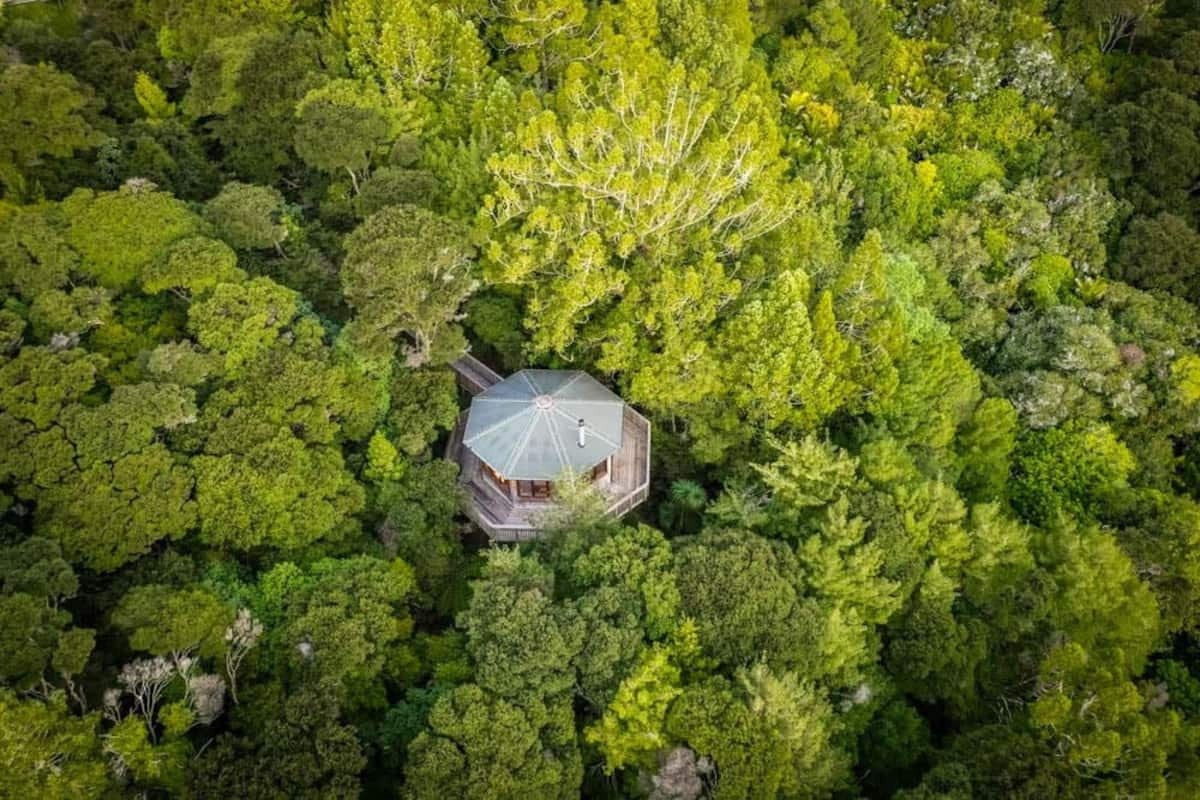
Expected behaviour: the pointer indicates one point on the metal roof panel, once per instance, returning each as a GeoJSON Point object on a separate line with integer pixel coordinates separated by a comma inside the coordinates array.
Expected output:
{"type": "Point", "coordinates": [527, 426]}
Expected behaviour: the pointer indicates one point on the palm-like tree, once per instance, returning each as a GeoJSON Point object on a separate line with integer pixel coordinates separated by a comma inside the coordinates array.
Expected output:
{"type": "Point", "coordinates": [685, 507]}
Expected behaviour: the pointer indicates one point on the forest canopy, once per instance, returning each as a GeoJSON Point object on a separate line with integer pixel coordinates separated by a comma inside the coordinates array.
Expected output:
{"type": "Point", "coordinates": [907, 290]}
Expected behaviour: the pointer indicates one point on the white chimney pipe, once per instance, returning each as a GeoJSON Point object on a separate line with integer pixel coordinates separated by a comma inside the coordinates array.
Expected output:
{"type": "Point", "coordinates": [582, 434]}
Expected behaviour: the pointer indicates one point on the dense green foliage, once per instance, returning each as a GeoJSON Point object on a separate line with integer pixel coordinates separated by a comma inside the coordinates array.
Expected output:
{"type": "Point", "coordinates": [908, 290]}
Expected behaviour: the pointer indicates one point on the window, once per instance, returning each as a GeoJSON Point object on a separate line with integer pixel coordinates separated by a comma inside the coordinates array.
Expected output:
{"type": "Point", "coordinates": [536, 490]}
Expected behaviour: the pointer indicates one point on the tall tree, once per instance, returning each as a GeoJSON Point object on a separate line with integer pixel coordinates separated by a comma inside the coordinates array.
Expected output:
{"type": "Point", "coordinates": [341, 126]}
{"type": "Point", "coordinates": [407, 271]}
{"type": "Point", "coordinates": [480, 746]}
{"type": "Point", "coordinates": [520, 641]}
{"type": "Point", "coordinates": [41, 114]}
{"type": "Point", "coordinates": [248, 217]}
{"type": "Point", "coordinates": [50, 752]}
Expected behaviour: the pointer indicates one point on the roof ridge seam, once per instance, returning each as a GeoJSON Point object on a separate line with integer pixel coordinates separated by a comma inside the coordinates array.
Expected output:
{"type": "Point", "coordinates": [559, 449]}
{"type": "Point", "coordinates": [524, 440]}
{"type": "Point", "coordinates": [494, 426]}
{"type": "Point", "coordinates": [578, 374]}
{"type": "Point", "coordinates": [524, 374]}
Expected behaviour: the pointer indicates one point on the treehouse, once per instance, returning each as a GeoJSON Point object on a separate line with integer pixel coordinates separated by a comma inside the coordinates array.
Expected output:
{"type": "Point", "coordinates": [524, 432]}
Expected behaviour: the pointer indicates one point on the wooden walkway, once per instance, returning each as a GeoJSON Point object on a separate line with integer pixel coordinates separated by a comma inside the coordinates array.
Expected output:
{"type": "Point", "coordinates": [473, 375]}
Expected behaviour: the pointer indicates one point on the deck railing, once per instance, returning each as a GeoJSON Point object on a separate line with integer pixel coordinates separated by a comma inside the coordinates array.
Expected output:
{"type": "Point", "coordinates": [629, 501]}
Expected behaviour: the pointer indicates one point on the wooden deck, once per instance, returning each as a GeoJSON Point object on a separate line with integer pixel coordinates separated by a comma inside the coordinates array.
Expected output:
{"type": "Point", "coordinates": [630, 475]}
{"type": "Point", "coordinates": [504, 520]}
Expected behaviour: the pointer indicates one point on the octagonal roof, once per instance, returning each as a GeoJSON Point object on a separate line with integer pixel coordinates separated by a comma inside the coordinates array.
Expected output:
{"type": "Point", "coordinates": [527, 426]}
